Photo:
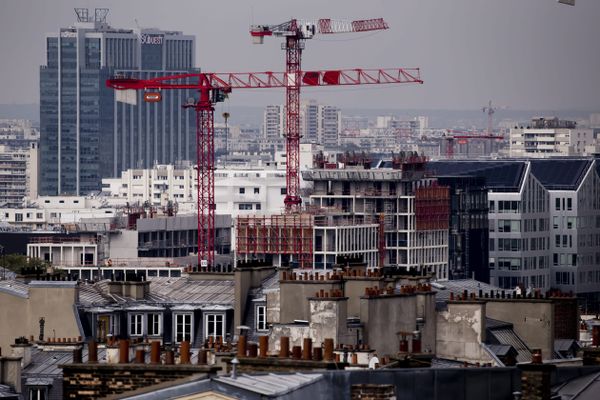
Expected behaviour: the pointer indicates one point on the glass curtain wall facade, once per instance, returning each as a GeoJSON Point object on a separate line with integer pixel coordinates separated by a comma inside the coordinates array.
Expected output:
{"type": "Point", "coordinates": [85, 135]}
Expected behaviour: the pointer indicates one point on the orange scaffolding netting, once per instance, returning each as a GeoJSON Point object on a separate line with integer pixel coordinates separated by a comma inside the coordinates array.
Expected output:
{"type": "Point", "coordinates": [289, 234]}
{"type": "Point", "coordinates": [432, 207]}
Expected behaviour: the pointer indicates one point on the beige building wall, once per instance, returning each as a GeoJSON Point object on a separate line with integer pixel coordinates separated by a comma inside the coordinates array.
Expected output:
{"type": "Point", "coordinates": [532, 320]}
{"type": "Point", "coordinates": [19, 316]}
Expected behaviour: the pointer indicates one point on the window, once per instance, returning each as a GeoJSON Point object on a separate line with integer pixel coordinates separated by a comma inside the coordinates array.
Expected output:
{"type": "Point", "coordinates": [557, 204]}
{"type": "Point", "coordinates": [283, 191]}
{"type": "Point", "coordinates": [507, 225]}
{"type": "Point", "coordinates": [509, 206]}
{"type": "Point", "coordinates": [492, 206]}
{"type": "Point", "coordinates": [509, 245]}
{"type": "Point", "coordinates": [39, 215]}
{"type": "Point", "coordinates": [513, 264]}
{"type": "Point", "coordinates": [261, 318]}
{"type": "Point", "coordinates": [245, 206]}
{"type": "Point", "coordinates": [136, 324]}
{"type": "Point", "coordinates": [183, 327]}
{"type": "Point", "coordinates": [37, 393]}
{"type": "Point", "coordinates": [242, 190]}
{"type": "Point", "coordinates": [569, 204]}
{"type": "Point", "coordinates": [258, 207]}
{"type": "Point", "coordinates": [256, 190]}
{"type": "Point", "coordinates": [215, 325]}
{"type": "Point", "coordinates": [153, 327]}
{"type": "Point", "coordinates": [18, 217]}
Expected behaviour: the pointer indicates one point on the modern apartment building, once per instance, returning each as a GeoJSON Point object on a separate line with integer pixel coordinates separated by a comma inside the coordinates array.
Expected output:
{"type": "Point", "coordinates": [18, 174]}
{"type": "Point", "coordinates": [546, 137]}
{"type": "Point", "coordinates": [544, 222]}
{"type": "Point", "coordinates": [412, 210]}
{"type": "Point", "coordinates": [238, 191]}
{"type": "Point", "coordinates": [85, 134]}
{"type": "Point", "coordinates": [319, 123]}
{"type": "Point", "coordinates": [274, 122]}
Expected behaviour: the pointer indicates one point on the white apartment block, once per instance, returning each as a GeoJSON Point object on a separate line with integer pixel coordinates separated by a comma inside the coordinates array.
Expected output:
{"type": "Point", "coordinates": [18, 174]}
{"type": "Point", "coordinates": [274, 122]}
{"type": "Point", "coordinates": [519, 228]}
{"type": "Point", "coordinates": [237, 191]}
{"type": "Point", "coordinates": [54, 212]}
{"type": "Point", "coordinates": [552, 137]}
{"type": "Point", "coordinates": [319, 123]}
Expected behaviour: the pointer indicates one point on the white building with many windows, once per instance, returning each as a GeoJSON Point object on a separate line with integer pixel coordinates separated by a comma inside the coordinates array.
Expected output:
{"type": "Point", "coordinates": [544, 222]}
{"type": "Point", "coordinates": [547, 137]}
{"type": "Point", "coordinates": [237, 190]}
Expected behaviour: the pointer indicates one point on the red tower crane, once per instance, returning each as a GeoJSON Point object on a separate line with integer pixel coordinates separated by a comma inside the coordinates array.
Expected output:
{"type": "Point", "coordinates": [295, 33]}
{"type": "Point", "coordinates": [212, 87]}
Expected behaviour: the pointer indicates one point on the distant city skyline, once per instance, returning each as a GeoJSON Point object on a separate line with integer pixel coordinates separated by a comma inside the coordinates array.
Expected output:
{"type": "Point", "coordinates": [526, 55]}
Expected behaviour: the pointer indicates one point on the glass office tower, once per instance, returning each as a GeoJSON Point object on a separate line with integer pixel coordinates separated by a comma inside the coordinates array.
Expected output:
{"type": "Point", "coordinates": [85, 134]}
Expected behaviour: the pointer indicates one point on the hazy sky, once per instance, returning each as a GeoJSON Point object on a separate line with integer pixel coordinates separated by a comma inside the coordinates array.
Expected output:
{"type": "Point", "coordinates": [525, 54]}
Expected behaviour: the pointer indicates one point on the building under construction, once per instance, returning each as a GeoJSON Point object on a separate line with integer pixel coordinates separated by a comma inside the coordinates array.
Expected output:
{"type": "Point", "coordinates": [389, 213]}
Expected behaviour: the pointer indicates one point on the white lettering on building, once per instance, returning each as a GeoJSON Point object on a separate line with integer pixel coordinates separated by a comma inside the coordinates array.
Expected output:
{"type": "Point", "coordinates": [151, 39]}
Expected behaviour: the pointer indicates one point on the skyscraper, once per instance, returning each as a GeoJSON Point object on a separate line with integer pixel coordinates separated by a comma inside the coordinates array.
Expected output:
{"type": "Point", "coordinates": [85, 135]}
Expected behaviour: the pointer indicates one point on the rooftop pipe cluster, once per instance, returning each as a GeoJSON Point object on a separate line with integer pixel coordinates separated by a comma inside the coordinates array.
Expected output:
{"type": "Point", "coordinates": [330, 276]}
{"type": "Point", "coordinates": [306, 352]}
{"type": "Point", "coordinates": [510, 295]}
{"type": "Point", "coordinates": [140, 354]}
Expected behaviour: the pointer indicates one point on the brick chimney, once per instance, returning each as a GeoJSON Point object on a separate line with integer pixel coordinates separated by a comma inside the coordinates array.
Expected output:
{"type": "Point", "coordinates": [22, 348]}
{"type": "Point", "coordinates": [535, 378]}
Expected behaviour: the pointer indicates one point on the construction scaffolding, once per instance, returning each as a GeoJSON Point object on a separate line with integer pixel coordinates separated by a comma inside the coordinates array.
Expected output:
{"type": "Point", "coordinates": [432, 208]}
{"type": "Point", "coordinates": [287, 234]}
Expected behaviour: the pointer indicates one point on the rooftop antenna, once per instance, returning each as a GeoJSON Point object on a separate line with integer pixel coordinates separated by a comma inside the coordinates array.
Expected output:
{"type": "Point", "coordinates": [100, 14]}
{"type": "Point", "coordinates": [82, 14]}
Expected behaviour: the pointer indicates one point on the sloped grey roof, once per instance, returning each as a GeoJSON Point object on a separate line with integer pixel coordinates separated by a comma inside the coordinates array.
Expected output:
{"type": "Point", "coordinates": [445, 363]}
{"type": "Point", "coordinates": [15, 288]}
{"type": "Point", "coordinates": [270, 384]}
{"type": "Point", "coordinates": [584, 388]}
{"type": "Point", "coordinates": [501, 350]}
{"type": "Point", "coordinates": [457, 286]}
{"type": "Point", "coordinates": [163, 290]}
{"type": "Point", "coordinates": [7, 273]}
{"type": "Point", "coordinates": [507, 336]}
{"type": "Point", "coordinates": [185, 291]}
{"type": "Point", "coordinates": [7, 393]}
{"type": "Point", "coordinates": [560, 174]}
{"type": "Point", "coordinates": [565, 344]}
{"type": "Point", "coordinates": [502, 175]}
{"type": "Point", "coordinates": [271, 282]}
{"type": "Point", "coordinates": [94, 294]}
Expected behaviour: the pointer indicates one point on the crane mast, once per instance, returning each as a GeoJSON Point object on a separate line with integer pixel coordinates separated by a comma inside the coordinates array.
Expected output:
{"type": "Point", "coordinates": [295, 33]}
